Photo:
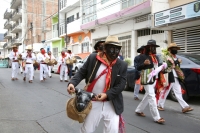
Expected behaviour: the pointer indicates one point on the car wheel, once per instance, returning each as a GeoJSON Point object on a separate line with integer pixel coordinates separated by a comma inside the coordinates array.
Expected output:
{"type": "Point", "coordinates": [185, 95]}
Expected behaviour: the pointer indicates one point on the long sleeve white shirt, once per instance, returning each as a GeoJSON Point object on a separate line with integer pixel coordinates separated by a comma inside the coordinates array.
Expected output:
{"type": "Point", "coordinates": [62, 60]}
{"type": "Point", "coordinates": [51, 57]}
{"type": "Point", "coordinates": [12, 55]}
{"type": "Point", "coordinates": [29, 59]}
{"type": "Point", "coordinates": [41, 57]}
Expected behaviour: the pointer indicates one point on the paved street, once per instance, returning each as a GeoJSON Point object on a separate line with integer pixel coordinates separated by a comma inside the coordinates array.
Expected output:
{"type": "Point", "coordinates": [40, 108]}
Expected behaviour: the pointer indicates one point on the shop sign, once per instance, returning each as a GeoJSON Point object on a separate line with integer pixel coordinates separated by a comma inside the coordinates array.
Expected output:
{"type": "Point", "coordinates": [176, 14]}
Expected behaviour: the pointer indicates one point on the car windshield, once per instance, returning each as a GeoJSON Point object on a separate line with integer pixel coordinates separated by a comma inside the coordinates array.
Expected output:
{"type": "Point", "coordinates": [77, 57]}
{"type": "Point", "coordinates": [194, 58]}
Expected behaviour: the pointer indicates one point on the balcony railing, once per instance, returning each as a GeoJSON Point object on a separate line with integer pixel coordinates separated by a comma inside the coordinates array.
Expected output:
{"type": "Point", "coordinates": [16, 15]}
{"type": "Point", "coordinates": [7, 14]}
{"type": "Point", "coordinates": [16, 28]}
{"type": "Point", "coordinates": [15, 3]}
{"type": "Point", "coordinates": [7, 24]}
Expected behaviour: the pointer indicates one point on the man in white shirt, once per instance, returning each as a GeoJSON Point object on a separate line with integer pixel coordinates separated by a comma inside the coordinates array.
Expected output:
{"type": "Point", "coordinates": [43, 66]}
{"type": "Point", "coordinates": [70, 55]}
{"type": "Point", "coordinates": [63, 66]}
{"type": "Point", "coordinates": [50, 67]}
{"type": "Point", "coordinates": [15, 62]}
{"type": "Point", "coordinates": [29, 57]}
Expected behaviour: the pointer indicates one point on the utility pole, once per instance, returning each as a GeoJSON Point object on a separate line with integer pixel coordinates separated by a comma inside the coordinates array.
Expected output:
{"type": "Point", "coordinates": [31, 28]}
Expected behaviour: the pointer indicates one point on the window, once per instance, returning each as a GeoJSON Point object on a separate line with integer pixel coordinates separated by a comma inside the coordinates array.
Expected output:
{"type": "Point", "coordinates": [85, 47]}
{"type": "Point", "coordinates": [146, 32]}
{"type": "Point", "coordinates": [55, 52]}
{"type": "Point", "coordinates": [70, 19]}
{"type": "Point", "coordinates": [89, 12]}
{"type": "Point", "coordinates": [61, 4]}
{"type": "Point", "coordinates": [125, 41]}
{"type": "Point", "coordinates": [128, 3]}
{"type": "Point", "coordinates": [104, 1]}
{"type": "Point", "coordinates": [77, 15]}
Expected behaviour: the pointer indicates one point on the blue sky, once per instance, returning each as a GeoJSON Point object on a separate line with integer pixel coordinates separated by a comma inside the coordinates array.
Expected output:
{"type": "Point", "coordinates": [3, 6]}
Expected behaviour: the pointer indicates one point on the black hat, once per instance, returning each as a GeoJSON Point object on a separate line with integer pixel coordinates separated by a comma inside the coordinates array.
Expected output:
{"type": "Point", "coordinates": [152, 43]}
{"type": "Point", "coordinates": [96, 45]}
{"type": "Point", "coordinates": [141, 48]}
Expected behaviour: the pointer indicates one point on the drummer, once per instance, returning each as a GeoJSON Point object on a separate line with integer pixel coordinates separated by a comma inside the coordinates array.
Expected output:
{"type": "Point", "coordinates": [50, 67]}
{"type": "Point", "coordinates": [42, 56]}
{"type": "Point", "coordinates": [62, 69]}
{"type": "Point", "coordinates": [29, 57]}
{"type": "Point", "coordinates": [13, 56]}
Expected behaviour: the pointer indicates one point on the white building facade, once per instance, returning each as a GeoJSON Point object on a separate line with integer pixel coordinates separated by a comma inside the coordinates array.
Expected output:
{"type": "Point", "coordinates": [129, 20]}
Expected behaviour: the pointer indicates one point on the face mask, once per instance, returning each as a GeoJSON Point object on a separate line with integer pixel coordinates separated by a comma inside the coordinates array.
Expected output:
{"type": "Point", "coordinates": [112, 52]}
{"type": "Point", "coordinates": [100, 48]}
{"type": "Point", "coordinates": [174, 51]}
{"type": "Point", "coordinates": [43, 51]}
{"type": "Point", "coordinates": [151, 50]}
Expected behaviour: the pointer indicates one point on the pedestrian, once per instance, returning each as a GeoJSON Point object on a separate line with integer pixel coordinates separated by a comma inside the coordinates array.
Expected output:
{"type": "Point", "coordinates": [70, 55]}
{"type": "Point", "coordinates": [121, 56]}
{"type": "Point", "coordinates": [13, 56]}
{"type": "Point", "coordinates": [148, 62]}
{"type": "Point", "coordinates": [42, 56]}
{"type": "Point", "coordinates": [29, 58]}
{"type": "Point", "coordinates": [108, 79]}
{"type": "Point", "coordinates": [51, 57]}
{"type": "Point", "coordinates": [137, 73]}
{"type": "Point", "coordinates": [174, 78]}
{"type": "Point", "coordinates": [98, 47]}
{"type": "Point", "coordinates": [63, 68]}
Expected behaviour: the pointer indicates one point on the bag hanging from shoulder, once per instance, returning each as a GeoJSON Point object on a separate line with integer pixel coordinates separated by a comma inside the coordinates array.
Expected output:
{"type": "Point", "coordinates": [144, 76]}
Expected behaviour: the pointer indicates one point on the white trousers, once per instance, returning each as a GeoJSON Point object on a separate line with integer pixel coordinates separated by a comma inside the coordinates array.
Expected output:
{"type": "Point", "coordinates": [100, 110]}
{"type": "Point", "coordinates": [43, 68]}
{"type": "Point", "coordinates": [150, 98]}
{"type": "Point", "coordinates": [15, 69]}
{"type": "Point", "coordinates": [136, 90]}
{"type": "Point", "coordinates": [29, 70]}
{"type": "Point", "coordinates": [63, 72]}
{"type": "Point", "coordinates": [177, 91]}
{"type": "Point", "coordinates": [49, 70]}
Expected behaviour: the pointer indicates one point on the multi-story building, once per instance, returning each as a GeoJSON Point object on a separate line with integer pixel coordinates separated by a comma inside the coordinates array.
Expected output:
{"type": "Point", "coordinates": [27, 22]}
{"type": "Point", "coordinates": [130, 20]}
{"type": "Point", "coordinates": [181, 18]}
{"type": "Point", "coordinates": [69, 27]}
{"type": "Point", "coordinates": [53, 42]}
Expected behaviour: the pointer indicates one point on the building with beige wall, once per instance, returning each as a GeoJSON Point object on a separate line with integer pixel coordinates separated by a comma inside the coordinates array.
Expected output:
{"type": "Point", "coordinates": [24, 14]}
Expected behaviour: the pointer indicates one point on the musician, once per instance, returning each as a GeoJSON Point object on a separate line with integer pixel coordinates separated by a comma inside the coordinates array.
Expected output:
{"type": "Point", "coordinates": [63, 69]}
{"type": "Point", "coordinates": [42, 56]}
{"type": "Point", "coordinates": [50, 67]}
{"type": "Point", "coordinates": [29, 57]}
{"type": "Point", "coordinates": [13, 56]}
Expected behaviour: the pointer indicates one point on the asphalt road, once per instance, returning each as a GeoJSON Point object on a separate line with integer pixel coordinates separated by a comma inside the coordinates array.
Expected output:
{"type": "Point", "coordinates": [40, 108]}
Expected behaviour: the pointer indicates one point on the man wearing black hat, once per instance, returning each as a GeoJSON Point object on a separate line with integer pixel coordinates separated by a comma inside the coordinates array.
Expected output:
{"type": "Point", "coordinates": [98, 46]}
{"type": "Point", "coordinates": [148, 62]}
{"type": "Point", "coordinates": [137, 73]}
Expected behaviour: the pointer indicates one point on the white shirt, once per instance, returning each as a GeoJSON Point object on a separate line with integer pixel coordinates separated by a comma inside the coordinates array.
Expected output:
{"type": "Point", "coordinates": [70, 55]}
{"type": "Point", "coordinates": [174, 72]}
{"type": "Point", "coordinates": [41, 57]}
{"type": "Point", "coordinates": [29, 59]}
{"type": "Point", "coordinates": [62, 60]}
{"type": "Point", "coordinates": [51, 57]}
{"type": "Point", "coordinates": [12, 55]}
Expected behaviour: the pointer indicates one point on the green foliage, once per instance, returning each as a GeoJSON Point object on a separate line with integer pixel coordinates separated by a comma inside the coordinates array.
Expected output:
{"type": "Point", "coordinates": [128, 61]}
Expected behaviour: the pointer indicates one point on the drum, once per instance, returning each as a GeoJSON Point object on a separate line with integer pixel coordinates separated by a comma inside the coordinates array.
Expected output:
{"type": "Point", "coordinates": [35, 63]}
{"type": "Point", "coordinates": [50, 63]}
{"type": "Point", "coordinates": [54, 61]}
{"type": "Point", "coordinates": [46, 61]}
{"type": "Point", "coordinates": [19, 57]}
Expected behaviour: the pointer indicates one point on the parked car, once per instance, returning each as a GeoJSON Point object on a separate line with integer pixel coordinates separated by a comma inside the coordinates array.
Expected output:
{"type": "Point", "coordinates": [130, 83]}
{"type": "Point", "coordinates": [79, 64]}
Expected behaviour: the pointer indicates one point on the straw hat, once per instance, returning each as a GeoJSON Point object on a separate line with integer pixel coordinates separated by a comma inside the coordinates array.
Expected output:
{"type": "Point", "coordinates": [112, 40]}
{"type": "Point", "coordinates": [173, 45]}
{"type": "Point", "coordinates": [29, 48]}
{"type": "Point", "coordinates": [14, 46]}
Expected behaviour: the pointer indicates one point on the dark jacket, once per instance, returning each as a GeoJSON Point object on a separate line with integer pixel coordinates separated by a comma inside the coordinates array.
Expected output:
{"type": "Point", "coordinates": [136, 61]}
{"type": "Point", "coordinates": [118, 80]}
{"type": "Point", "coordinates": [141, 65]}
{"type": "Point", "coordinates": [171, 75]}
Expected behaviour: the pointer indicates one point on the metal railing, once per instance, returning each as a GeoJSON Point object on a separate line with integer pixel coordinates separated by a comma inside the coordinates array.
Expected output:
{"type": "Point", "coordinates": [12, 2]}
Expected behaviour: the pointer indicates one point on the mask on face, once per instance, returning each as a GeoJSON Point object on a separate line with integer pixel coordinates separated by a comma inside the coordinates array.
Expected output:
{"type": "Point", "coordinates": [174, 51]}
{"type": "Point", "coordinates": [100, 48]}
{"type": "Point", "coordinates": [63, 54]}
{"type": "Point", "coordinates": [112, 52]}
{"type": "Point", "coordinates": [151, 50]}
{"type": "Point", "coordinates": [43, 51]}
